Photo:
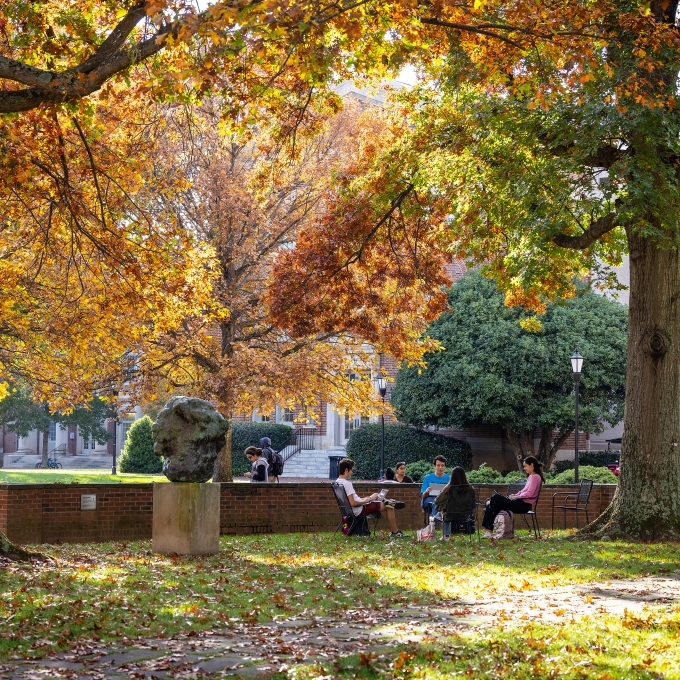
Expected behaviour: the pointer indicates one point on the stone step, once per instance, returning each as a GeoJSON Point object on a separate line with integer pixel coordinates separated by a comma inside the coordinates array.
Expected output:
{"type": "Point", "coordinates": [28, 461]}
{"type": "Point", "coordinates": [312, 463]}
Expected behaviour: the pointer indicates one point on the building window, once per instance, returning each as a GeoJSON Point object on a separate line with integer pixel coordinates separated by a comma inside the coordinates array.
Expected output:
{"type": "Point", "coordinates": [352, 424]}
{"type": "Point", "coordinates": [53, 431]}
{"type": "Point", "coordinates": [125, 426]}
{"type": "Point", "coordinates": [264, 419]}
{"type": "Point", "coordinates": [288, 416]}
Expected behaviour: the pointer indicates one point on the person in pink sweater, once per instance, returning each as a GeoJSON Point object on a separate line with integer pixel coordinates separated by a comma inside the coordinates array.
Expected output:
{"type": "Point", "coordinates": [519, 502]}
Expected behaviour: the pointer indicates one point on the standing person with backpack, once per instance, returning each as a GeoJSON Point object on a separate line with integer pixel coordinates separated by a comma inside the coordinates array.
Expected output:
{"type": "Point", "coordinates": [274, 459]}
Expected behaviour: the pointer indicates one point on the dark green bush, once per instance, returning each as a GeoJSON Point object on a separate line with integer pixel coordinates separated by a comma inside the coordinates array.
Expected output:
{"type": "Point", "coordinates": [594, 458]}
{"type": "Point", "coordinates": [417, 471]}
{"type": "Point", "coordinates": [249, 434]}
{"type": "Point", "coordinates": [402, 443]}
{"type": "Point", "coordinates": [600, 475]}
{"type": "Point", "coordinates": [137, 455]}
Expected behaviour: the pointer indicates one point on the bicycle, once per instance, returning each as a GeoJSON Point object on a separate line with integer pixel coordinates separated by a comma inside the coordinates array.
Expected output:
{"type": "Point", "coordinates": [51, 463]}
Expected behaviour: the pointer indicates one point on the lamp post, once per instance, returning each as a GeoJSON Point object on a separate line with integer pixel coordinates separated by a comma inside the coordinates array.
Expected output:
{"type": "Point", "coordinates": [115, 427]}
{"type": "Point", "coordinates": [381, 384]}
{"type": "Point", "coordinates": [576, 365]}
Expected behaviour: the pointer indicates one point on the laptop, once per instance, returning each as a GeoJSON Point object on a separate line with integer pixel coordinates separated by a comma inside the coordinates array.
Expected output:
{"type": "Point", "coordinates": [436, 489]}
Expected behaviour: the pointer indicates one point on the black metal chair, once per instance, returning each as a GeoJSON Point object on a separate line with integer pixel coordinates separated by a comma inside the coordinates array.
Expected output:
{"type": "Point", "coordinates": [515, 488]}
{"type": "Point", "coordinates": [576, 502]}
{"type": "Point", "coordinates": [346, 510]}
{"type": "Point", "coordinates": [471, 520]}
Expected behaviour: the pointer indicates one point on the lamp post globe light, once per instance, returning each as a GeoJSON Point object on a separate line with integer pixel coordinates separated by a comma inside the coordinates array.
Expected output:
{"type": "Point", "coordinates": [576, 365]}
{"type": "Point", "coordinates": [381, 384]}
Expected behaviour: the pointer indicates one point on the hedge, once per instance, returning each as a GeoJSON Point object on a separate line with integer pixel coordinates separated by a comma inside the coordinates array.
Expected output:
{"type": "Point", "coordinates": [594, 458]}
{"type": "Point", "coordinates": [244, 435]}
{"type": "Point", "coordinates": [402, 443]}
{"type": "Point", "coordinates": [600, 475]}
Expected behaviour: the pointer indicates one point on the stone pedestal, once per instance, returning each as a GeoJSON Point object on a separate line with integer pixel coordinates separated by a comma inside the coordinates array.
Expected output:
{"type": "Point", "coordinates": [186, 518]}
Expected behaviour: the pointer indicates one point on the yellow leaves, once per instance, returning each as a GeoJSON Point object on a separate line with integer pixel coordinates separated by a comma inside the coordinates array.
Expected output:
{"type": "Point", "coordinates": [531, 324]}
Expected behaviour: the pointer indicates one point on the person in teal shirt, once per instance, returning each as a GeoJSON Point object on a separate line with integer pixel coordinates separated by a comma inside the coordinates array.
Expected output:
{"type": "Point", "coordinates": [436, 477]}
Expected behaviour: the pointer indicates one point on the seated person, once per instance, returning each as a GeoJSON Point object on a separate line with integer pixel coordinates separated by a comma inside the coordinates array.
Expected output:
{"type": "Point", "coordinates": [457, 500]}
{"type": "Point", "coordinates": [436, 477]}
{"type": "Point", "coordinates": [400, 475]}
{"type": "Point", "coordinates": [389, 476]}
{"type": "Point", "coordinates": [519, 502]}
{"type": "Point", "coordinates": [366, 506]}
{"type": "Point", "coordinates": [260, 467]}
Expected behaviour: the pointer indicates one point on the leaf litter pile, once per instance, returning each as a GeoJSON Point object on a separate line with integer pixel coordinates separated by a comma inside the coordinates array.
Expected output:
{"type": "Point", "coordinates": [316, 606]}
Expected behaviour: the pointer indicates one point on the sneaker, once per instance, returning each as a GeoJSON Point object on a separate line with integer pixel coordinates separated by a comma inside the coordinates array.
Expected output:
{"type": "Point", "coordinates": [487, 534]}
{"type": "Point", "coordinates": [397, 505]}
{"type": "Point", "coordinates": [397, 534]}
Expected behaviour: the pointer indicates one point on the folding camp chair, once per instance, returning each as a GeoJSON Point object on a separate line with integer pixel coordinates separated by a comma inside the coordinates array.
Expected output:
{"type": "Point", "coordinates": [346, 510]}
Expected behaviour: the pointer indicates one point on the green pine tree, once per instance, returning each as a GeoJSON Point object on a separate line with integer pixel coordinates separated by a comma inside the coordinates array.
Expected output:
{"type": "Point", "coordinates": [137, 455]}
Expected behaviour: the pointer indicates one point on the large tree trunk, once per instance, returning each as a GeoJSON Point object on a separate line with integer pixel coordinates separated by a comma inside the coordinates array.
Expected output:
{"type": "Point", "coordinates": [522, 443]}
{"type": "Point", "coordinates": [548, 447]}
{"type": "Point", "coordinates": [647, 502]}
{"type": "Point", "coordinates": [223, 471]}
{"type": "Point", "coordinates": [13, 552]}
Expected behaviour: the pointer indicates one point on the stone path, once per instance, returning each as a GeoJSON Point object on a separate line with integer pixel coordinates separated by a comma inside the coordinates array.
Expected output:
{"type": "Point", "coordinates": [256, 650]}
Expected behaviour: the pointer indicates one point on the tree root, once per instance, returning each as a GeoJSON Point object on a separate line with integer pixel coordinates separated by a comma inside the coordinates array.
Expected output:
{"type": "Point", "coordinates": [611, 526]}
{"type": "Point", "coordinates": [14, 553]}
{"type": "Point", "coordinates": [598, 529]}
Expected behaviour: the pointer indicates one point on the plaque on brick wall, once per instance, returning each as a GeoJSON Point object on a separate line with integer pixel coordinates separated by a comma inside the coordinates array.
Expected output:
{"type": "Point", "coordinates": [88, 501]}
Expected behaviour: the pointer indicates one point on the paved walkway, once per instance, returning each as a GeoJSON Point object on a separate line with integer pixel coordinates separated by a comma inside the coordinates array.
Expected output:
{"type": "Point", "coordinates": [257, 650]}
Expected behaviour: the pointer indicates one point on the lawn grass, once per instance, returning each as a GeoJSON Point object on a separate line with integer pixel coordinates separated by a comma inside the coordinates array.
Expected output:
{"type": "Point", "coordinates": [114, 591]}
{"type": "Point", "coordinates": [643, 647]}
{"type": "Point", "coordinates": [81, 476]}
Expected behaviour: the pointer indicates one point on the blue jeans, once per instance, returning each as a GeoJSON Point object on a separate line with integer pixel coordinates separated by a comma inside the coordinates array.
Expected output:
{"type": "Point", "coordinates": [428, 505]}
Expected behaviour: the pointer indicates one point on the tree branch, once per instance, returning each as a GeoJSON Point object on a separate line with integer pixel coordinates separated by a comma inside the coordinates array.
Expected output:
{"type": "Point", "coordinates": [470, 29]}
{"type": "Point", "coordinates": [596, 230]}
{"type": "Point", "coordinates": [74, 84]}
{"type": "Point", "coordinates": [116, 39]}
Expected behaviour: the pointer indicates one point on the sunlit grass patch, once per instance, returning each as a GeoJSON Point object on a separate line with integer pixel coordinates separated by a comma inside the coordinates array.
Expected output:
{"type": "Point", "coordinates": [642, 646]}
{"type": "Point", "coordinates": [80, 476]}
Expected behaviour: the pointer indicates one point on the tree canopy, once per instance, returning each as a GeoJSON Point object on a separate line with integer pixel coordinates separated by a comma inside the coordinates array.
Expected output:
{"type": "Point", "coordinates": [494, 372]}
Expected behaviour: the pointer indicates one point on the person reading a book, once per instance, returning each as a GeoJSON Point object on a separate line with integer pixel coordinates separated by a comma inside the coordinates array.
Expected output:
{"type": "Point", "coordinates": [370, 504]}
{"type": "Point", "coordinates": [439, 476]}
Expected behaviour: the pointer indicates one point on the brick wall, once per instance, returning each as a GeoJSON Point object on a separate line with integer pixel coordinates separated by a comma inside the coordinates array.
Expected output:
{"type": "Point", "coordinates": [51, 512]}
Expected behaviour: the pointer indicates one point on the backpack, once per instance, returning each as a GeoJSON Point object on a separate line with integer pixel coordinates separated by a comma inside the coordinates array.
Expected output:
{"type": "Point", "coordinates": [355, 526]}
{"type": "Point", "coordinates": [276, 464]}
{"type": "Point", "coordinates": [503, 525]}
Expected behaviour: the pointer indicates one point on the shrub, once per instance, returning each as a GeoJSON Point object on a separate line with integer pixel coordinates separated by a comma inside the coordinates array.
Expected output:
{"type": "Point", "coordinates": [594, 458]}
{"type": "Point", "coordinates": [402, 443]}
{"type": "Point", "coordinates": [484, 475]}
{"type": "Point", "coordinates": [600, 475]}
{"type": "Point", "coordinates": [514, 477]}
{"type": "Point", "coordinates": [244, 435]}
{"type": "Point", "coordinates": [418, 470]}
{"type": "Point", "coordinates": [137, 455]}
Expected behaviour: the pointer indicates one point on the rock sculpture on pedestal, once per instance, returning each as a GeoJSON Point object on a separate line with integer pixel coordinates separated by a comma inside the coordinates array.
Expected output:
{"type": "Point", "coordinates": [188, 434]}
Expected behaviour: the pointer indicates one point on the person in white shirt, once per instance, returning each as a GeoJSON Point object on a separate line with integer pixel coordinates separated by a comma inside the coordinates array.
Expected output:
{"type": "Point", "coordinates": [368, 505]}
